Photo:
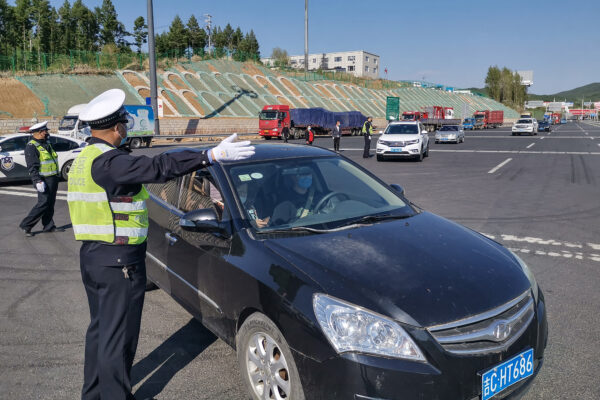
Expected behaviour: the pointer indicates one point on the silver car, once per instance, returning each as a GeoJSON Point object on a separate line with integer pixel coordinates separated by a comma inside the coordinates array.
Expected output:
{"type": "Point", "coordinates": [450, 133]}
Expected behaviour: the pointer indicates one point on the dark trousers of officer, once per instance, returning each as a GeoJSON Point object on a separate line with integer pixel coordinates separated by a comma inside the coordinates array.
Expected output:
{"type": "Point", "coordinates": [44, 209]}
{"type": "Point", "coordinates": [336, 144]}
{"type": "Point", "coordinates": [286, 135]}
{"type": "Point", "coordinates": [116, 306]}
{"type": "Point", "coordinates": [367, 149]}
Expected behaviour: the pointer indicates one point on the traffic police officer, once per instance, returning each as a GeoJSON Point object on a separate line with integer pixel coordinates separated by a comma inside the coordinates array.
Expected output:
{"type": "Point", "coordinates": [107, 203]}
{"type": "Point", "coordinates": [42, 163]}
{"type": "Point", "coordinates": [367, 131]}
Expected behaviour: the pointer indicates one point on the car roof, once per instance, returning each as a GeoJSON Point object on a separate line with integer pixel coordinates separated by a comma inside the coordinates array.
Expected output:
{"type": "Point", "coordinates": [16, 135]}
{"type": "Point", "coordinates": [404, 123]}
{"type": "Point", "coordinates": [265, 151]}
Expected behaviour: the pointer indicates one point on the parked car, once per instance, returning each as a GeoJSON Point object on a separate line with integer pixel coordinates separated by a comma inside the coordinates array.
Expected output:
{"type": "Point", "coordinates": [403, 139]}
{"type": "Point", "coordinates": [525, 125]}
{"type": "Point", "coordinates": [357, 295]}
{"type": "Point", "coordinates": [450, 133]}
{"type": "Point", "coordinates": [563, 120]}
{"type": "Point", "coordinates": [12, 155]}
{"type": "Point", "coordinates": [543, 126]}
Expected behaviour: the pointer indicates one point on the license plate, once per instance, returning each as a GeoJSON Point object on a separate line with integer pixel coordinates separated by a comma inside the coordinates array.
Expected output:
{"type": "Point", "coordinates": [506, 374]}
{"type": "Point", "coordinates": [396, 149]}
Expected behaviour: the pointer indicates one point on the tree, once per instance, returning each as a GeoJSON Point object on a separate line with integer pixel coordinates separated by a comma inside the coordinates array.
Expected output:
{"type": "Point", "coordinates": [237, 38]}
{"type": "Point", "coordinates": [492, 82]}
{"type": "Point", "coordinates": [121, 35]}
{"type": "Point", "coordinates": [177, 35]}
{"type": "Point", "coordinates": [227, 36]}
{"type": "Point", "coordinates": [251, 45]}
{"type": "Point", "coordinates": [86, 29]}
{"type": "Point", "coordinates": [140, 32]}
{"type": "Point", "coordinates": [519, 91]}
{"type": "Point", "coordinates": [66, 27]}
{"type": "Point", "coordinates": [22, 13]}
{"type": "Point", "coordinates": [161, 43]}
{"type": "Point", "coordinates": [506, 86]}
{"type": "Point", "coordinates": [196, 36]}
{"type": "Point", "coordinates": [109, 24]}
{"type": "Point", "coordinates": [7, 27]}
{"type": "Point", "coordinates": [42, 21]}
{"type": "Point", "coordinates": [280, 57]}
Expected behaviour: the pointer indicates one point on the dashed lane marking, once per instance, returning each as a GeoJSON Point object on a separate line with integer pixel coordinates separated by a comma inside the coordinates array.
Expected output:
{"type": "Point", "coordinates": [497, 167]}
{"type": "Point", "coordinates": [593, 153]}
{"type": "Point", "coordinates": [27, 194]}
{"type": "Point", "coordinates": [530, 146]}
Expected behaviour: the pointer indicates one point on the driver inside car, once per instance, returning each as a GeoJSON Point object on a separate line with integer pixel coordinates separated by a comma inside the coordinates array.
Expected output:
{"type": "Point", "coordinates": [298, 197]}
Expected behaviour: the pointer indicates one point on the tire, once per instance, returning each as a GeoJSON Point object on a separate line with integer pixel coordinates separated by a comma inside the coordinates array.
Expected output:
{"type": "Point", "coordinates": [419, 158]}
{"type": "Point", "coordinates": [135, 143]}
{"type": "Point", "coordinates": [380, 157]}
{"type": "Point", "coordinates": [64, 172]}
{"type": "Point", "coordinates": [426, 154]}
{"type": "Point", "coordinates": [267, 137]}
{"type": "Point", "coordinates": [264, 354]}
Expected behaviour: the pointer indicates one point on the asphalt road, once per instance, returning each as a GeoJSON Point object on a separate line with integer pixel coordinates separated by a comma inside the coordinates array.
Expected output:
{"type": "Point", "coordinates": [539, 196]}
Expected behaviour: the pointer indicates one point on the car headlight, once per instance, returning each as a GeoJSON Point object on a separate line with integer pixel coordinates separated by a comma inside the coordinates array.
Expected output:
{"type": "Point", "coordinates": [529, 274]}
{"type": "Point", "coordinates": [411, 142]}
{"type": "Point", "coordinates": [382, 142]}
{"type": "Point", "coordinates": [350, 328]}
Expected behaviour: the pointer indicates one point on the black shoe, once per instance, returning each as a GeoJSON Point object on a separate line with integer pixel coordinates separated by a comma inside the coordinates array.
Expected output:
{"type": "Point", "coordinates": [27, 232]}
{"type": "Point", "coordinates": [53, 228]}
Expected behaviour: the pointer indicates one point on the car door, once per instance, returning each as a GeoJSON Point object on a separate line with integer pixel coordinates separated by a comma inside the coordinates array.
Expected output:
{"type": "Point", "coordinates": [12, 158]}
{"type": "Point", "coordinates": [424, 136]}
{"type": "Point", "coordinates": [64, 149]}
{"type": "Point", "coordinates": [196, 260]}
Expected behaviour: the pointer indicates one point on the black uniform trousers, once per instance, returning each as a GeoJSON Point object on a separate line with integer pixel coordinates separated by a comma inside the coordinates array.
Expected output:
{"type": "Point", "coordinates": [367, 149]}
{"type": "Point", "coordinates": [336, 144]}
{"type": "Point", "coordinates": [111, 340]}
{"type": "Point", "coordinates": [44, 209]}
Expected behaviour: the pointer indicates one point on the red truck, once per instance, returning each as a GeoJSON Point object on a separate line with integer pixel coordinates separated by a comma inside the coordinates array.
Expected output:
{"type": "Point", "coordinates": [273, 120]}
{"type": "Point", "coordinates": [556, 118]}
{"type": "Point", "coordinates": [434, 117]}
{"type": "Point", "coordinates": [488, 119]}
{"type": "Point", "coordinates": [412, 115]}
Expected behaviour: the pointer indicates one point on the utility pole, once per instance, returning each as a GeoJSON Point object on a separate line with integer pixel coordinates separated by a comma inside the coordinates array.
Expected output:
{"type": "Point", "coordinates": [208, 21]}
{"type": "Point", "coordinates": [152, 56]}
{"type": "Point", "coordinates": [305, 36]}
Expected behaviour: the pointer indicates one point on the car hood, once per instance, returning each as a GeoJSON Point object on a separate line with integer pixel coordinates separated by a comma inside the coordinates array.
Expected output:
{"type": "Point", "coordinates": [400, 137]}
{"type": "Point", "coordinates": [424, 270]}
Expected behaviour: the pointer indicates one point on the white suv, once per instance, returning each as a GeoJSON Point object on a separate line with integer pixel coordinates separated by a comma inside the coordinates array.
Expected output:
{"type": "Point", "coordinates": [525, 125]}
{"type": "Point", "coordinates": [403, 139]}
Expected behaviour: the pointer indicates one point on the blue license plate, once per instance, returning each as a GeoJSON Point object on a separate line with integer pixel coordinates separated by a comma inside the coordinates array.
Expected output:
{"type": "Point", "coordinates": [506, 374]}
{"type": "Point", "coordinates": [396, 149]}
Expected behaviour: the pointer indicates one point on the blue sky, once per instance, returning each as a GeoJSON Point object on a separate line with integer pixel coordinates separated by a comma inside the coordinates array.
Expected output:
{"type": "Point", "coordinates": [448, 42]}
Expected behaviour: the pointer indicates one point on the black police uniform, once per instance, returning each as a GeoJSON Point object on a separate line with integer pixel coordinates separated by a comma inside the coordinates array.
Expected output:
{"type": "Point", "coordinates": [114, 276]}
{"type": "Point", "coordinates": [367, 137]}
{"type": "Point", "coordinates": [44, 209]}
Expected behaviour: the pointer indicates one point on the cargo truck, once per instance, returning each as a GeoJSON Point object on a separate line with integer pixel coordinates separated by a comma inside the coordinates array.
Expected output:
{"type": "Point", "coordinates": [275, 120]}
{"type": "Point", "coordinates": [488, 119]}
{"type": "Point", "coordinates": [140, 128]}
{"type": "Point", "coordinates": [433, 117]}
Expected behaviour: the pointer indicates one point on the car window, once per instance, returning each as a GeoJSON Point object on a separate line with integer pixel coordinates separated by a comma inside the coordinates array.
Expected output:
{"type": "Point", "coordinates": [61, 144]}
{"type": "Point", "coordinates": [402, 129]}
{"type": "Point", "coordinates": [15, 144]}
{"type": "Point", "coordinates": [449, 128]}
{"type": "Point", "coordinates": [199, 190]}
{"type": "Point", "coordinates": [524, 121]}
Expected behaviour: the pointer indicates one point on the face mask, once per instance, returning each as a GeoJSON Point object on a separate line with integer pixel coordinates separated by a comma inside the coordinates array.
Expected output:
{"type": "Point", "coordinates": [123, 139]}
{"type": "Point", "coordinates": [305, 181]}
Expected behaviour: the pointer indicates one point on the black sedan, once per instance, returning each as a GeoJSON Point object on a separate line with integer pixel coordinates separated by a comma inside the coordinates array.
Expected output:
{"type": "Point", "coordinates": [543, 126]}
{"type": "Point", "coordinates": [330, 284]}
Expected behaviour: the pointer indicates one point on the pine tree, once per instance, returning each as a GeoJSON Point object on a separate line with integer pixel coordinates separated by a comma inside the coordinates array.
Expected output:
{"type": "Point", "coordinates": [506, 86]}
{"type": "Point", "coordinates": [196, 36]}
{"type": "Point", "coordinates": [140, 32]}
{"type": "Point", "coordinates": [109, 24]}
{"type": "Point", "coordinates": [86, 27]}
{"type": "Point", "coordinates": [236, 38]}
{"type": "Point", "coordinates": [66, 27]}
{"type": "Point", "coordinates": [42, 22]}
{"type": "Point", "coordinates": [23, 12]}
{"type": "Point", "coordinates": [7, 27]}
{"type": "Point", "coordinates": [177, 36]}
{"type": "Point", "coordinates": [253, 48]}
{"type": "Point", "coordinates": [492, 83]}
{"type": "Point", "coordinates": [228, 37]}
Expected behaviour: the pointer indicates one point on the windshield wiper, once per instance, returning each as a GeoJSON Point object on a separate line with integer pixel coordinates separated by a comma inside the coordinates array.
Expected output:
{"type": "Point", "coordinates": [295, 229]}
{"type": "Point", "coordinates": [369, 219]}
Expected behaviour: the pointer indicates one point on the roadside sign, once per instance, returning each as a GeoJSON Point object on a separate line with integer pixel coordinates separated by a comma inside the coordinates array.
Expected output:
{"type": "Point", "coordinates": [392, 108]}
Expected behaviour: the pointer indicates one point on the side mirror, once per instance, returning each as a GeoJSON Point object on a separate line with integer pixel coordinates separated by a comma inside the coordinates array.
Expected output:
{"type": "Point", "coordinates": [398, 189]}
{"type": "Point", "coordinates": [423, 131]}
{"type": "Point", "coordinates": [203, 220]}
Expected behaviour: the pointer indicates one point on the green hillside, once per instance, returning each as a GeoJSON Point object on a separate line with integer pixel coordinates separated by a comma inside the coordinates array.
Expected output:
{"type": "Point", "coordinates": [588, 92]}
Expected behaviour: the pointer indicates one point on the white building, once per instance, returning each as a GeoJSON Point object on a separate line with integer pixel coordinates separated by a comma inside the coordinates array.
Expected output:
{"type": "Point", "coordinates": [360, 63]}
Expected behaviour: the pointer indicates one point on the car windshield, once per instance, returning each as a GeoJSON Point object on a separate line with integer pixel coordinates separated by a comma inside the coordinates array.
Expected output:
{"type": "Point", "coordinates": [408, 117]}
{"type": "Point", "coordinates": [67, 124]}
{"type": "Point", "coordinates": [268, 115]}
{"type": "Point", "coordinates": [453, 128]}
{"type": "Point", "coordinates": [402, 129]}
{"type": "Point", "coordinates": [524, 121]}
{"type": "Point", "coordinates": [320, 193]}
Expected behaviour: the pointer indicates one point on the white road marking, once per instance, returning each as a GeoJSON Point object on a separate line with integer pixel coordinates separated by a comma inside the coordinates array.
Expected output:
{"type": "Point", "coordinates": [530, 146]}
{"type": "Point", "coordinates": [542, 138]}
{"type": "Point", "coordinates": [593, 153]}
{"type": "Point", "coordinates": [497, 167]}
{"type": "Point", "coordinates": [28, 189]}
{"type": "Point", "coordinates": [25, 194]}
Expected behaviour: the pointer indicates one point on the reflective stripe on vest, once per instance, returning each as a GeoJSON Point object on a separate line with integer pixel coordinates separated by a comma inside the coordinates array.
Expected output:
{"type": "Point", "coordinates": [95, 215]}
{"type": "Point", "coordinates": [48, 160]}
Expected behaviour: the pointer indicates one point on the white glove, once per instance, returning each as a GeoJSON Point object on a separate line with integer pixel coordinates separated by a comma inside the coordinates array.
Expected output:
{"type": "Point", "coordinates": [229, 150]}
{"type": "Point", "coordinates": [41, 187]}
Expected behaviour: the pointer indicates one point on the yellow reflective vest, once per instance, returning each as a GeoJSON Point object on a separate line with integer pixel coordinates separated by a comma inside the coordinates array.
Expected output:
{"type": "Point", "coordinates": [48, 160]}
{"type": "Point", "coordinates": [96, 216]}
{"type": "Point", "coordinates": [364, 128]}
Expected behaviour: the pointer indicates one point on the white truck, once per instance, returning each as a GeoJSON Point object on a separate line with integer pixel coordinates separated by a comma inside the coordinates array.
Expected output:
{"type": "Point", "coordinates": [140, 128]}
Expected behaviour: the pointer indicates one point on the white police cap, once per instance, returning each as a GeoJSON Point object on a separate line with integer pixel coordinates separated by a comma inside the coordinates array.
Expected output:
{"type": "Point", "coordinates": [40, 126]}
{"type": "Point", "coordinates": [105, 110]}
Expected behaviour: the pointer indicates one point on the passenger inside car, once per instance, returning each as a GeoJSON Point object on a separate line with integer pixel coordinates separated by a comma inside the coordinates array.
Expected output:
{"type": "Point", "coordinates": [198, 191]}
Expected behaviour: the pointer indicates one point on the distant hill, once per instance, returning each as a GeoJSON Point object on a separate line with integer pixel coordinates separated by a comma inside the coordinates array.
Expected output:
{"type": "Point", "coordinates": [588, 92]}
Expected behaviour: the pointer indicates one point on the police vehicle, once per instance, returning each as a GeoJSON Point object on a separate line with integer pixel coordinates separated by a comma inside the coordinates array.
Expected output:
{"type": "Point", "coordinates": [12, 155]}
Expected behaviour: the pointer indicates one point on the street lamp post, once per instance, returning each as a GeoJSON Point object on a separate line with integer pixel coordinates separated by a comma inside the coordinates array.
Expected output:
{"type": "Point", "coordinates": [305, 37]}
{"type": "Point", "coordinates": [152, 59]}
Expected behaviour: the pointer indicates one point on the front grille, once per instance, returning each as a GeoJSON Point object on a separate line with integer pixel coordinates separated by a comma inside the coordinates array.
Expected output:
{"type": "Point", "coordinates": [396, 144]}
{"type": "Point", "coordinates": [488, 332]}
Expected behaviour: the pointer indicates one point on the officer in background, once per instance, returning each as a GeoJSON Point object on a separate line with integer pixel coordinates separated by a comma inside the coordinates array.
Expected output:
{"type": "Point", "coordinates": [367, 131]}
{"type": "Point", "coordinates": [42, 164]}
{"type": "Point", "coordinates": [107, 204]}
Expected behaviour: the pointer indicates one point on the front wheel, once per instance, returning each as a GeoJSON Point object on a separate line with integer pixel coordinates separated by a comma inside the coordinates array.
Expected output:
{"type": "Point", "coordinates": [266, 362]}
{"type": "Point", "coordinates": [267, 137]}
{"type": "Point", "coordinates": [64, 172]}
{"type": "Point", "coordinates": [135, 143]}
